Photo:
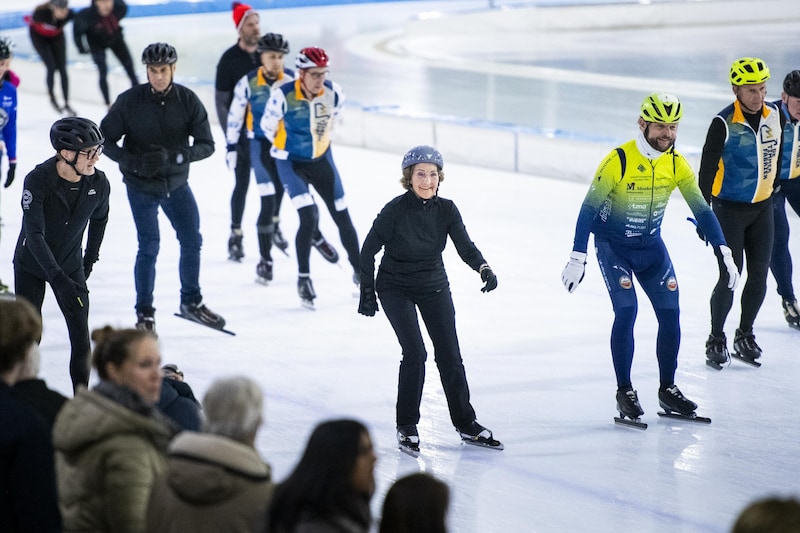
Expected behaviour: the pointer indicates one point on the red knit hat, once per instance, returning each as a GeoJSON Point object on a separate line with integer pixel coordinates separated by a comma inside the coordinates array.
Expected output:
{"type": "Point", "coordinates": [240, 13]}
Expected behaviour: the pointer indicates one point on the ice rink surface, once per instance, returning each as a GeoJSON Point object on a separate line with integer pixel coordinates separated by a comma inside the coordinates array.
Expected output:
{"type": "Point", "coordinates": [537, 358]}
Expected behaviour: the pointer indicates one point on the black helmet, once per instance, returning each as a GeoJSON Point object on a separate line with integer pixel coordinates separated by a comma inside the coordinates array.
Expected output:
{"type": "Point", "coordinates": [273, 42]}
{"type": "Point", "coordinates": [791, 84]}
{"type": "Point", "coordinates": [75, 133]}
{"type": "Point", "coordinates": [159, 54]}
{"type": "Point", "coordinates": [6, 45]}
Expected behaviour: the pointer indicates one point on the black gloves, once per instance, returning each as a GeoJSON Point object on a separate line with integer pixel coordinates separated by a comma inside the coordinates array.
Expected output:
{"type": "Point", "coordinates": [12, 170]}
{"type": "Point", "coordinates": [88, 265]}
{"type": "Point", "coordinates": [151, 162]}
{"type": "Point", "coordinates": [488, 277]}
{"type": "Point", "coordinates": [72, 297]}
{"type": "Point", "coordinates": [367, 304]}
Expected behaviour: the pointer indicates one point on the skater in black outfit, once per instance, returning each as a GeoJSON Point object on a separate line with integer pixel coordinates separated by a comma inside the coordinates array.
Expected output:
{"type": "Point", "coordinates": [157, 119]}
{"type": "Point", "coordinates": [235, 62]}
{"type": "Point", "coordinates": [61, 197]}
{"type": "Point", "coordinates": [47, 35]}
{"type": "Point", "coordinates": [96, 29]}
{"type": "Point", "coordinates": [413, 229]}
{"type": "Point", "coordinates": [739, 170]}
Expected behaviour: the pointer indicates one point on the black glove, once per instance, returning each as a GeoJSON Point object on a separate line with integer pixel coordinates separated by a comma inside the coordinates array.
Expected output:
{"type": "Point", "coordinates": [72, 297]}
{"type": "Point", "coordinates": [488, 278]}
{"type": "Point", "coordinates": [88, 265]}
{"type": "Point", "coordinates": [367, 304]}
{"type": "Point", "coordinates": [151, 162]}
{"type": "Point", "coordinates": [12, 170]}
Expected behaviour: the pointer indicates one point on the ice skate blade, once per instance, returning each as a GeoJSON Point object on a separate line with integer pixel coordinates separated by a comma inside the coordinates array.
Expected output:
{"type": "Point", "coordinates": [713, 364]}
{"type": "Point", "coordinates": [690, 417]}
{"type": "Point", "coordinates": [308, 304]}
{"type": "Point", "coordinates": [223, 330]}
{"type": "Point", "coordinates": [262, 281]}
{"type": "Point", "coordinates": [409, 450]}
{"type": "Point", "coordinates": [484, 443]}
{"type": "Point", "coordinates": [635, 423]}
{"type": "Point", "coordinates": [742, 358]}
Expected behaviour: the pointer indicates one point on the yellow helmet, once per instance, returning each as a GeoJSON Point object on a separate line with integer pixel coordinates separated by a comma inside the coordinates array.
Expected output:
{"type": "Point", "coordinates": [749, 71]}
{"type": "Point", "coordinates": [661, 107]}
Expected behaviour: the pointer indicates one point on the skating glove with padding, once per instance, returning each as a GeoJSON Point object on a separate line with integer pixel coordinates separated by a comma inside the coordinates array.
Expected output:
{"type": "Point", "coordinates": [231, 157]}
{"type": "Point", "coordinates": [489, 279]}
{"type": "Point", "coordinates": [730, 265]}
{"type": "Point", "coordinates": [12, 171]}
{"type": "Point", "coordinates": [71, 296]}
{"type": "Point", "coordinates": [367, 303]}
{"type": "Point", "coordinates": [574, 271]}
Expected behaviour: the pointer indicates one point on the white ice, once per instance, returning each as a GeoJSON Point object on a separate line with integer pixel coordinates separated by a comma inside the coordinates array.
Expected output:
{"type": "Point", "coordinates": [537, 358]}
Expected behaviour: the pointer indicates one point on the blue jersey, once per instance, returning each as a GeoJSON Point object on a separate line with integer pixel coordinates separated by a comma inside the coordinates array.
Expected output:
{"type": "Point", "coordinates": [8, 118]}
{"type": "Point", "coordinates": [250, 97]}
{"type": "Point", "coordinates": [299, 127]}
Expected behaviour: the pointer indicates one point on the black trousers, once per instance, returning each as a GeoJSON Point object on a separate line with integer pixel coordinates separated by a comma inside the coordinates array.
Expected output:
{"type": "Point", "coordinates": [32, 288]}
{"type": "Point", "coordinates": [438, 313]}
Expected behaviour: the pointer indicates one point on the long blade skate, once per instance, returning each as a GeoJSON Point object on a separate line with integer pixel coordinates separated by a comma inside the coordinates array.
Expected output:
{"type": "Point", "coordinates": [409, 448]}
{"type": "Point", "coordinates": [189, 319]}
{"type": "Point", "coordinates": [635, 423]}
{"type": "Point", "coordinates": [483, 442]}
{"type": "Point", "coordinates": [713, 364]}
{"type": "Point", "coordinates": [691, 417]}
{"type": "Point", "coordinates": [745, 359]}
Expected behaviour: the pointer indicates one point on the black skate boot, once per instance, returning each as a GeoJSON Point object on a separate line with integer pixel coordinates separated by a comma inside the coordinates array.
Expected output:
{"type": "Point", "coordinates": [676, 405]}
{"type": "Point", "coordinates": [325, 248]}
{"type": "Point", "coordinates": [198, 312]}
{"type": "Point", "coordinates": [791, 312]}
{"type": "Point", "coordinates": [146, 319]}
{"type": "Point", "coordinates": [264, 272]}
{"type": "Point", "coordinates": [745, 348]}
{"type": "Point", "coordinates": [279, 241]}
{"type": "Point", "coordinates": [408, 439]}
{"type": "Point", "coordinates": [672, 399]}
{"type": "Point", "coordinates": [717, 351]}
{"type": "Point", "coordinates": [477, 435]}
{"type": "Point", "coordinates": [629, 409]}
{"type": "Point", "coordinates": [305, 289]}
{"type": "Point", "coordinates": [235, 248]}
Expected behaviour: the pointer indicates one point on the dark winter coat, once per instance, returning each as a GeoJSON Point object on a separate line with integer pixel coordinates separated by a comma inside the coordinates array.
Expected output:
{"type": "Point", "coordinates": [44, 25]}
{"type": "Point", "coordinates": [413, 233]}
{"type": "Point", "coordinates": [110, 448]}
{"type": "Point", "coordinates": [99, 33]}
{"type": "Point", "coordinates": [43, 401]}
{"type": "Point", "coordinates": [212, 484]}
{"type": "Point", "coordinates": [51, 236]}
{"type": "Point", "coordinates": [150, 122]}
{"type": "Point", "coordinates": [28, 500]}
{"type": "Point", "coordinates": [177, 401]}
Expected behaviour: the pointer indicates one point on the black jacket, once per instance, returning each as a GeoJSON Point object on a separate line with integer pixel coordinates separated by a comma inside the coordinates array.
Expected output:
{"type": "Point", "coordinates": [233, 64]}
{"type": "Point", "coordinates": [413, 233]}
{"type": "Point", "coordinates": [28, 500]}
{"type": "Point", "coordinates": [51, 236]}
{"type": "Point", "coordinates": [96, 31]}
{"type": "Point", "coordinates": [150, 122]}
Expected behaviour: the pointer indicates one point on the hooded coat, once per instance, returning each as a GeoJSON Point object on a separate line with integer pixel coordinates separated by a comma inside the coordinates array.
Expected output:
{"type": "Point", "coordinates": [212, 484]}
{"type": "Point", "coordinates": [108, 456]}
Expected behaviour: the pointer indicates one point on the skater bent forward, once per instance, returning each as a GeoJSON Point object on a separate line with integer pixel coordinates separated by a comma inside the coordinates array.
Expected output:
{"type": "Point", "coordinates": [413, 230]}
{"type": "Point", "coordinates": [624, 209]}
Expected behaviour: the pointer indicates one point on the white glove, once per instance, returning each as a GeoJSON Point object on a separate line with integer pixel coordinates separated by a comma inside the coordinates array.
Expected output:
{"type": "Point", "coordinates": [573, 272]}
{"type": "Point", "coordinates": [733, 271]}
{"type": "Point", "coordinates": [230, 159]}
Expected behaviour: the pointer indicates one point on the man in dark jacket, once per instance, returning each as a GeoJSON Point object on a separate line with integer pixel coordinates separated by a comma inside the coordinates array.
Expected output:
{"type": "Point", "coordinates": [156, 120]}
{"type": "Point", "coordinates": [97, 28]}
{"type": "Point", "coordinates": [61, 197]}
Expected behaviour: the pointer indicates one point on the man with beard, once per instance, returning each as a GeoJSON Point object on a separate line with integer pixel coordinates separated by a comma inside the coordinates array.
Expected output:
{"type": "Point", "coordinates": [624, 208]}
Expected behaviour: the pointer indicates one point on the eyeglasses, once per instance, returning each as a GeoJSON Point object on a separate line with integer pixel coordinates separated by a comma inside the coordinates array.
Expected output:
{"type": "Point", "coordinates": [91, 154]}
{"type": "Point", "coordinates": [317, 75]}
